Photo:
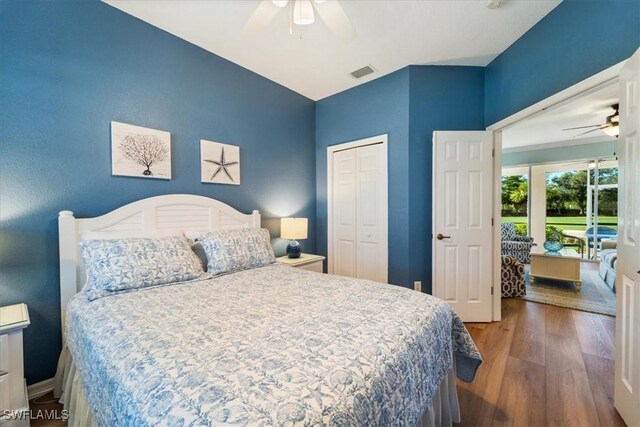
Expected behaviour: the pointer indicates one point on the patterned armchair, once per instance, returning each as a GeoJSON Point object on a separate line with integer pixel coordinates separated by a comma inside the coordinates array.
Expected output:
{"type": "Point", "coordinates": [512, 278]}
{"type": "Point", "coordinates": [515, 245]}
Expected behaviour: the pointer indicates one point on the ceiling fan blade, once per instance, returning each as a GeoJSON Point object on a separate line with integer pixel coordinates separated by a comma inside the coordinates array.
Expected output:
{"type": "Point", "coordinates": [261, 17]}
{"type": "Point", "coordinates": [333, 15]}
{"type": "Point", "coordinates": [589, 131]}
{"type": "Point", "coordinates": [582, 127]}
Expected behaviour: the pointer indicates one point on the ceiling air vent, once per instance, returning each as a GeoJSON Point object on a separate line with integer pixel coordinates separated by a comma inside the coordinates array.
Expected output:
{"type": "Point", "coordinates": [494, 4]}
{"type": "Point", "coordinates": [364, 71]}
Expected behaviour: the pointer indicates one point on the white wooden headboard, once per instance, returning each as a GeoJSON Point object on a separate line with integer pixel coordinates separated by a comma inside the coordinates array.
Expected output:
{"type": "Point", "coordinates": [174, 213]}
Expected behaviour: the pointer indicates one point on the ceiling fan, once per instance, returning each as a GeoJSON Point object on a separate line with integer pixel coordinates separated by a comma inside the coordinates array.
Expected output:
{"type": "Point", "coordinates": [610, 126]}
{"type": "Point", "coordinates": [301, 12]}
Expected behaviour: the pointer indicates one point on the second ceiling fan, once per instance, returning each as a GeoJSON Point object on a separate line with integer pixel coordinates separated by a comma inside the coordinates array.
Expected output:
{"type": "Point", "coordinates": [611, 126]}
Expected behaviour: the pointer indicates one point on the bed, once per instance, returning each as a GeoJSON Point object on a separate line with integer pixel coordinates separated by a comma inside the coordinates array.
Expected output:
{"type": "Point", "coordinates": [271, 345]}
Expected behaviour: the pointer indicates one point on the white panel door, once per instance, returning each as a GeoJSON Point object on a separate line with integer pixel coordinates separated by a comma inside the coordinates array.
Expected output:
{"type": "Point", "coordinates": [371, 202]}
{"type": "Point", "coordinates": [344, 213]}
{"type": "Point", "coordinates": [627, 380]}
{"type": "Point", "coordinates": [462, 223]}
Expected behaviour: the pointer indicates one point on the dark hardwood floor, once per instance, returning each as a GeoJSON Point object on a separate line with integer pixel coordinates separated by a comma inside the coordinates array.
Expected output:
{"type": "Point", "coordinates": [544, 366]}
{"type": "Point", "coordinates": [46, 412]}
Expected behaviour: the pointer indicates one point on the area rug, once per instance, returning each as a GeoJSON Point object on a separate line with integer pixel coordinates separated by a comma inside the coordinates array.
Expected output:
{"type": "Point", "coordinates": [595, 296]}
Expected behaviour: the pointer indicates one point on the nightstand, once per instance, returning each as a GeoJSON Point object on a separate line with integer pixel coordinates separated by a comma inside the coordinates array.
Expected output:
{"type": "Point", "coordinates": [13, 389]}
{"type": "Point", "coordinates": [305, 262]}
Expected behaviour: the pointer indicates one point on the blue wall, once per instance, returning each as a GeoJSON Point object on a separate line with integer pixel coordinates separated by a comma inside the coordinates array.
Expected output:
{"type": "Point", "coordinates": [441, 98]}
{"type": "Point", "coordinates": [408, 105]}
{"type": "Point", "coordinates": [67, 70]}
{"type": "Point", "coordinates": [375, 108]}
{"type": "Point", "coordinates": [578, 39]}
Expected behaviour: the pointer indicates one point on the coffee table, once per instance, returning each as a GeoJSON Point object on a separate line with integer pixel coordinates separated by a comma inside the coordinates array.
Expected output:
{"type": "Point", "coordinates": [562, 265]}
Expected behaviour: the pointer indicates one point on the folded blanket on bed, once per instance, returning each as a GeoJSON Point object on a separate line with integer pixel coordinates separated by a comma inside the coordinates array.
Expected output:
{"type": "Point", "coordinates": [267, 346]}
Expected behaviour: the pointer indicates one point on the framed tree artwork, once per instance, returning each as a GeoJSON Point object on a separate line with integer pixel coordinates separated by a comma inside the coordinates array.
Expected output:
{"type": "Point", "coordinates": [219, 163]}
{"type": "Point", "coordinates": [140, 152]}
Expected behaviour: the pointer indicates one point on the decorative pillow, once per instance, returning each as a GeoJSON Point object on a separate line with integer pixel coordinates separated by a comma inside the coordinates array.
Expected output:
{"type": "Point", "coordinates": [239, 249]}
{"type": "Point", "coordinates": [121, 265]}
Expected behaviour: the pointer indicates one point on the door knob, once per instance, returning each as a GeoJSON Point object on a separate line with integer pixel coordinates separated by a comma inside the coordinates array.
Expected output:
{"type": "Point", "coordinates": [441, 236]}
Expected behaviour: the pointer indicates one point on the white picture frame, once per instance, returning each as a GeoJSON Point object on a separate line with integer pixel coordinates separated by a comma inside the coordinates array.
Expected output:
{"type": "Point", "coordinates": [219, 163]}
{"type": "Point", "coordinates": [140, 152]}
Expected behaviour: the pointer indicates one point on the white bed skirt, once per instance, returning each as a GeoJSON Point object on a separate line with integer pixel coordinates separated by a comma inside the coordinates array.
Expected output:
{"type": "Point", "coordinates": [445, 407]}
{"type": "Point", "coordinates": [443, 411]}
{"type": "Point", "coordinates": [68, 389]}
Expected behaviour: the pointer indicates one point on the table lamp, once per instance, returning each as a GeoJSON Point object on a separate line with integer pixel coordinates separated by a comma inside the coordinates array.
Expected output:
{"type": "Point", "coordinates": [293, 228]}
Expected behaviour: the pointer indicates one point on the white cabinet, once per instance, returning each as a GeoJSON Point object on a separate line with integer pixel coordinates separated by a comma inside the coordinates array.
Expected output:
{"type": "Point", "coordinates": [305, 262]}
{"type": "Point", "coordinates": [13, 390]}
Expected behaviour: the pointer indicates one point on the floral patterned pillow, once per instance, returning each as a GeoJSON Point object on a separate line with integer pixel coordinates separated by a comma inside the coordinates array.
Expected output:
{"type": "Point", "coordinates": [122, 265]}
{"type": "Point", "coordinates": [235, 250]}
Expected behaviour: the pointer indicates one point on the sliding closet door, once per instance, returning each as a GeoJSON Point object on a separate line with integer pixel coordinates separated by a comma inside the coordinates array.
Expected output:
{"type": "Point", "coordinates": [358, 211]}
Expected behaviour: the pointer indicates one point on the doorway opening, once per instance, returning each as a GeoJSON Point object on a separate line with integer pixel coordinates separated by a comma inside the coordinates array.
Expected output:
{"type": "Point", "coordinates": [559, 191]}
{"type": "Point", "coordinates": [627, 124]}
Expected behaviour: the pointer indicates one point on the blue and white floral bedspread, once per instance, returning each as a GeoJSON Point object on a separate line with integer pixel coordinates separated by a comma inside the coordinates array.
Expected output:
{"type": "Point", "coordinates": [268, 346]}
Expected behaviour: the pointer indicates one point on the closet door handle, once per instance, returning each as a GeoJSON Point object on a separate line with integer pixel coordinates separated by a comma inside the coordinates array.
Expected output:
{"type": "Point", "coordinates": [441, 236]}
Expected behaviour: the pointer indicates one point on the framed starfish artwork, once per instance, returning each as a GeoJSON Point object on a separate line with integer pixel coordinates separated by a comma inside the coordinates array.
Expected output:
{"type": "Point", "coordinates": [219, 163]}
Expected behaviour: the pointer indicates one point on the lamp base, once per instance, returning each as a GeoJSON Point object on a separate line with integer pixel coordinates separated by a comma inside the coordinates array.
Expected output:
{"type": "Point", "coordinates": [293, 249]}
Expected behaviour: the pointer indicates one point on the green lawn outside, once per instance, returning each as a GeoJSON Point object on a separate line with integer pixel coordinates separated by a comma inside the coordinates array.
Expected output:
{"type": "Point", "coordinates": [567, 222]}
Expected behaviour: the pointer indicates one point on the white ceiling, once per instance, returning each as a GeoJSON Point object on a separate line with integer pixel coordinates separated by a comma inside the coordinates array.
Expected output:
{"type": "Point", "coordinates": [547, 127]}
{"type": "Point", "coordinates": [391, 35]}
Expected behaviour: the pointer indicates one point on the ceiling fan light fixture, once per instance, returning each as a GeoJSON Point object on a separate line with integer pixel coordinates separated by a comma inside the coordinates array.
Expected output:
{"type": "Point", "coordinates": [303, 12]}
{"type": "Point", "coordinates": [612, 130]}
{"type": "Point", "coordinates": [280, 3]}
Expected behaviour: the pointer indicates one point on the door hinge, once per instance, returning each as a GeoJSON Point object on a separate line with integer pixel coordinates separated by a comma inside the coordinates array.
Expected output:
{"type": "Point", "coordinates": [493, 152]}
{"type": "Point", "coordinates": [492, 222]}
{"type": "Point", "coordinates": [492, 290]}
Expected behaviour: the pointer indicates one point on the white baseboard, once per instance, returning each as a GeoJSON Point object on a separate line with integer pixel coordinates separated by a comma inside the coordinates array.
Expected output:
{"type": "Point", "coordinates": [39, 389]}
